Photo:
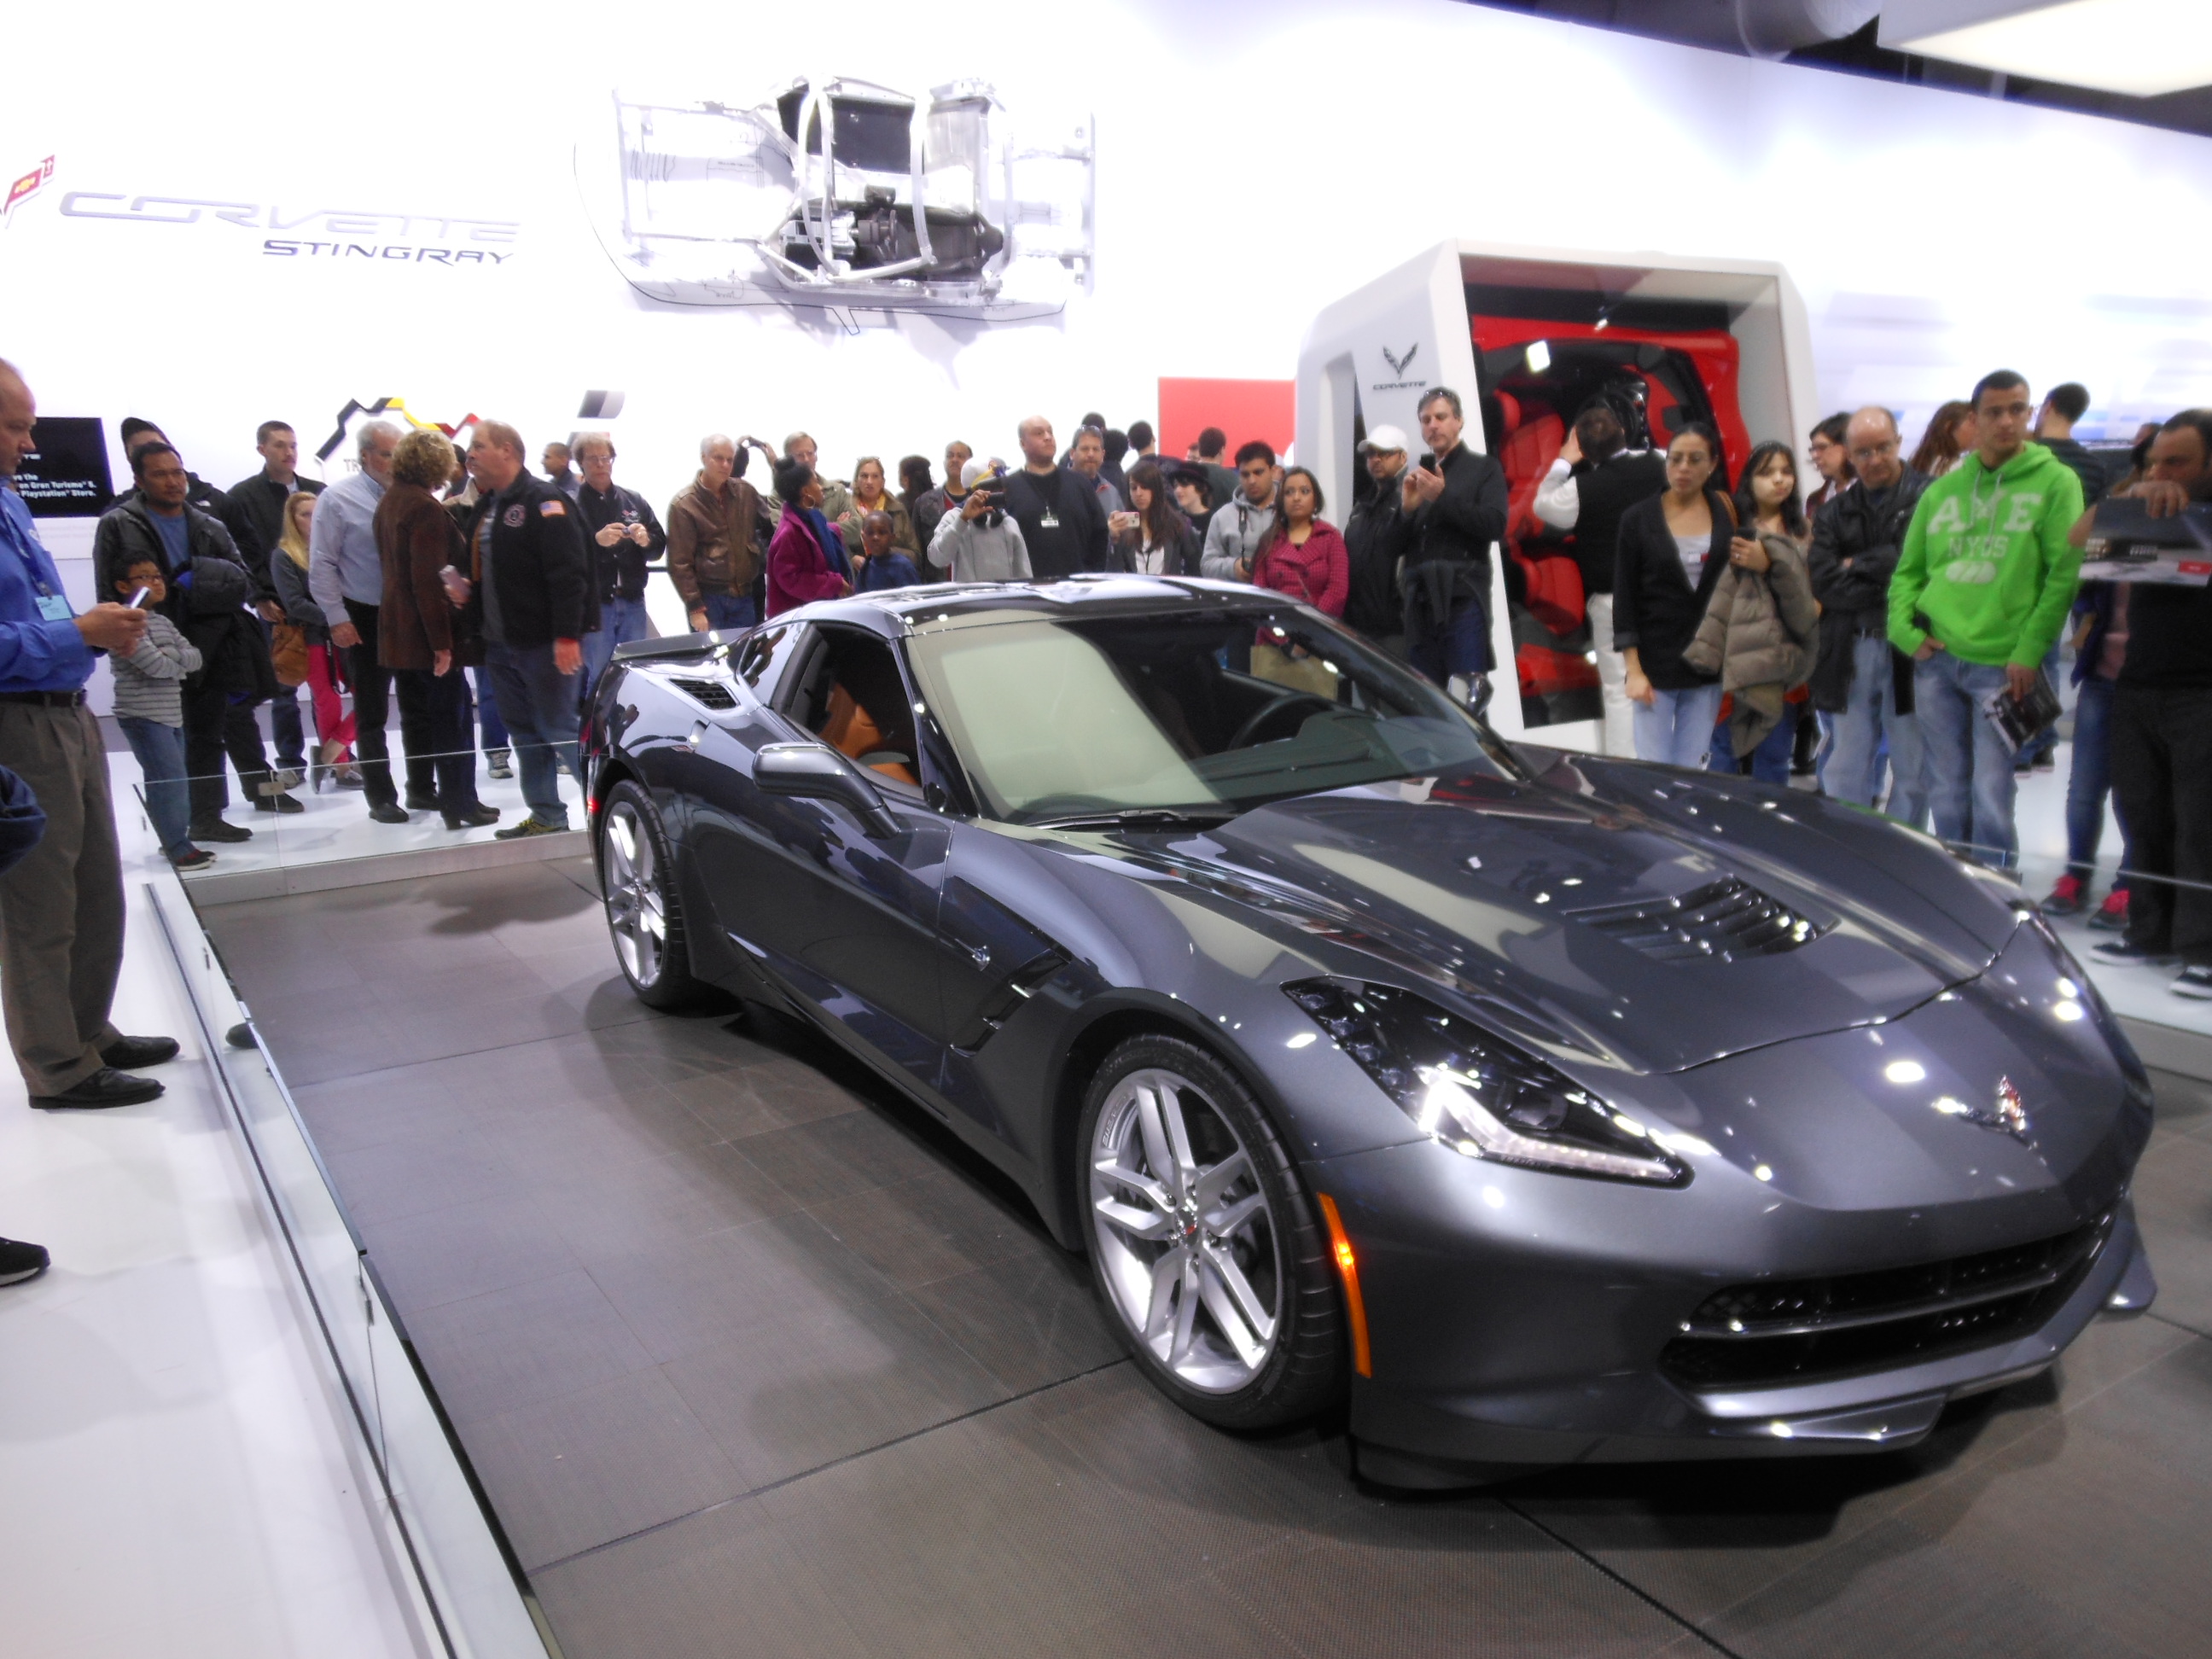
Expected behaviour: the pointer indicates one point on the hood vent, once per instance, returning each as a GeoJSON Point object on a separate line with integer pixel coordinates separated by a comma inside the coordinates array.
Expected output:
{"type": "Point", "coordinates": [1718, 922]}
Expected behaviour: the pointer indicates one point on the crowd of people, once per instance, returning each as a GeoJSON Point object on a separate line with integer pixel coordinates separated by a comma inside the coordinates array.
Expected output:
{"type": "Point", "coordinates": [1885, 611]}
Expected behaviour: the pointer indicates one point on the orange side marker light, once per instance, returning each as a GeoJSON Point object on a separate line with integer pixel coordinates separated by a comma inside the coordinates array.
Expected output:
{"type": "Point", "coordinates": [1347, 1266]}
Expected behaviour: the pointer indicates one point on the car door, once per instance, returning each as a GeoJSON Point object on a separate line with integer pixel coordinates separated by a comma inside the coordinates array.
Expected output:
{"type": "Point", "coordinates": [845, 920]}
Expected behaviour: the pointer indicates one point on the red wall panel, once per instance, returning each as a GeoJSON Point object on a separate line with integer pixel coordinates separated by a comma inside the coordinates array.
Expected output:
{"type": "Point", "coordinates": [1245, 410]}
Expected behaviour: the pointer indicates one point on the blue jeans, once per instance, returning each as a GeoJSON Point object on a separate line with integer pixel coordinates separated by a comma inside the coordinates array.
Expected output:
{"type": "Point", "coordinates": [1851, 769]}
{"type": "Point", "coordinates": [1460, 646]}
{"type": "Point", "coordinates": [621, 621]}
{"type": "Point", "coordinates": [728, 612]}
{"type": "Point", "coordinates": [286, 736]}
{"type": "Point", "coordinates": [2090, 779]}
{"type": "Point", "coordinates": [161, 752]}
{"type": "Point", "coordinates": [1970, 780]}
{"type": "Point", "coordinates": [538, 703]}
{"type": "Point", "coordinates": [1678, 727]}
{"type": "Point", "coordinates": [1769, 762]}
{"type": "Point", "coordinates": [495, 729]}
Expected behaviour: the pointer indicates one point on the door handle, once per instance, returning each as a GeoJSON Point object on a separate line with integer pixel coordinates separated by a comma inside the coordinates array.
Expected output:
{"type": "Point", "coordinates": [981, 955]}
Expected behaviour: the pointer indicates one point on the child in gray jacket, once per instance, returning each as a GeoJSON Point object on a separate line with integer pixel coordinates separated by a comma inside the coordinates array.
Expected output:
{"type": "Point", "coordinates": [149, 706]}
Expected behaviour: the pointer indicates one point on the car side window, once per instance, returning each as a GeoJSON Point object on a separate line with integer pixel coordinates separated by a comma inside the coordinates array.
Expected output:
{"type": "Point", "coordinates": [764, 657]}
{"type": "Point", "coordinates": [848, 693]}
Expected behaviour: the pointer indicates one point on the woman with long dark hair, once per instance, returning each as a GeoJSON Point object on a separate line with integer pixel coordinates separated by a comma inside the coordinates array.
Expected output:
{"type": "Point", "coordinates": [1303, 555]}
{"type": "Point", "coordinates": [1153, 538]}
{"type": "Point", "coordinates": [1758, 632]}
{"type": "Point", "coordinates": [1671, 550]}
{"type": "Point", "coordinates": [1950, 435]}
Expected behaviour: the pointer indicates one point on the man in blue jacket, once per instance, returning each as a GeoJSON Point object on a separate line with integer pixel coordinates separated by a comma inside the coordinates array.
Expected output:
{"type": "Point", "coordinates": [61, 906]}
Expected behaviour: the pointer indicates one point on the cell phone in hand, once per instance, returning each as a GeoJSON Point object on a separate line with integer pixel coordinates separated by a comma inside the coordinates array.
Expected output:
{"type": "Point", "coordinates": [138, 599]}
{"type": "Point", "coordinates": [1428, 463]}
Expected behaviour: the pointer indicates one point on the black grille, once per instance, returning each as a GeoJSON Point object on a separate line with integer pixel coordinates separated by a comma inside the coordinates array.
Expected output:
{"type": "Point", "coordinates": [1756, 1335]}
{"type": "Point", "coordinates": [1718, 923]}
{"type": "Point", "coordinates": [713, 692]}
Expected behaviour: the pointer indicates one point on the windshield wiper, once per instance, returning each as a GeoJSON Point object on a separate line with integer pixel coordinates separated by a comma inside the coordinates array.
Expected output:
{"type": "Point", "coordinates": [1137, 817]}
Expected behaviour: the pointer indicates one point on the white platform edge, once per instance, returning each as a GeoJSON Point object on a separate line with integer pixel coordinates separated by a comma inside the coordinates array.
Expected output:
{"type": "Point", "coordinates": [465, 1600]}
{"type": "Point", "coordinates": [236, 887]}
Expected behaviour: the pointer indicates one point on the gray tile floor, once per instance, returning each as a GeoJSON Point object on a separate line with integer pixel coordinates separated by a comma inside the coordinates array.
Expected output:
{"type": "Point", "coordinates": [753, 1360]}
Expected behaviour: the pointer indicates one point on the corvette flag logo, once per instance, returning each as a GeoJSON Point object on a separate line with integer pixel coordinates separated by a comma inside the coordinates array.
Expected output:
{"type": "Point", "coordinates": [26, 187]}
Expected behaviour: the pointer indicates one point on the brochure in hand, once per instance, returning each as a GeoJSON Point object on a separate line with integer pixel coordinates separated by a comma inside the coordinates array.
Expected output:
{"type": "Point", "coordinates": [2018, 721]}
{"type": "Point", "coordinates": [2126, 544]}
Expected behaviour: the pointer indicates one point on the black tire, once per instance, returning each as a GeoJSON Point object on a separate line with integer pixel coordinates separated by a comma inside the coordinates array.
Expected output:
{"type": "Point", "coordinates": [637, 883]}
{"type": "Point", "coordinates": [1303, 1372]}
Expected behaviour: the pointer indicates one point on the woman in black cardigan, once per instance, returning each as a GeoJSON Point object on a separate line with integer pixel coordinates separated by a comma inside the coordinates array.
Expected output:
{"type": "Point", "coordinates": [1672, 550]}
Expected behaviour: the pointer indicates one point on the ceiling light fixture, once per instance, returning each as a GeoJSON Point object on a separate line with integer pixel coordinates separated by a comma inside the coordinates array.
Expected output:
{"type": "Point", "coordinates": [2139, 47]}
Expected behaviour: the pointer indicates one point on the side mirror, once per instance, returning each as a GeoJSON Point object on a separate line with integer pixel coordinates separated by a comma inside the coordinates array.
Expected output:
{"type": "Point", "coordinates": [814, 771]}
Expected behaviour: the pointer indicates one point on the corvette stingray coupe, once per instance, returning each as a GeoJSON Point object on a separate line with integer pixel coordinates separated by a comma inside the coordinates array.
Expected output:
{"type": "Point", "coordinates": [1536, 1109]}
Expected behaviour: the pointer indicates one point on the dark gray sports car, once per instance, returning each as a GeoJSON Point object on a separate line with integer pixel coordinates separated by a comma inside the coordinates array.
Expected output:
{"type": "Point", "coordinates": [1556, 1108]}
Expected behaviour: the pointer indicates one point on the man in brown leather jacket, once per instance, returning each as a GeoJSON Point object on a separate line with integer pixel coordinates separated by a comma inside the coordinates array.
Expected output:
{"type": "Point", "coordinates": [713, 541]}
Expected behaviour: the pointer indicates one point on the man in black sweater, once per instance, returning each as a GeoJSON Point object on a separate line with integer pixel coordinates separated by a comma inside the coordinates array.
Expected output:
{"type": "Point", "coordinates": [1596, 478]}
{"type": "Point", "coordinates": [1860, 679]}
{"type": "Point", "coordinates": [1455, 502]}
{"type": "Point", "coordinates": [1062, 525]}
{"type": "Point", "coordinates": [2162, 732]}
{"type": "Point", "coordinates": [1375, 537]}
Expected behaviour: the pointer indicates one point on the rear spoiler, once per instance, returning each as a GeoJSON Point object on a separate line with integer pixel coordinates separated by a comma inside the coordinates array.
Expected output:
{"type": "Point", "coordinates": [676, 647]}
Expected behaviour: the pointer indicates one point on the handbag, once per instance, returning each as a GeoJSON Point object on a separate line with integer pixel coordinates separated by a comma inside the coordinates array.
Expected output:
{"type": "Point", "coordinates": [287, 653]}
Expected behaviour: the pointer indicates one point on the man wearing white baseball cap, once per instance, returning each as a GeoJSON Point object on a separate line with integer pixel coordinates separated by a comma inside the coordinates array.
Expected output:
{"type": "Point", "coordinates": [1375, 536]}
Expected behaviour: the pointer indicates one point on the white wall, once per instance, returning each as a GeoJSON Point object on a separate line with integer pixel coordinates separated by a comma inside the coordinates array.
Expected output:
{"type": "Point", "coordinates": [1256, 161]}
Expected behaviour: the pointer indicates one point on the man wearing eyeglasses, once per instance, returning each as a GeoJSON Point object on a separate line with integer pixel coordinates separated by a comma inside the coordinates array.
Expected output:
{"type": "Point", "coordinates": [1862, 682]}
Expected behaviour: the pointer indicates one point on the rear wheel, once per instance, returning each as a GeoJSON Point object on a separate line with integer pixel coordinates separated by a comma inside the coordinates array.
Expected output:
{"type": "Point", "coordinates": [1203, 1241]}
{"type": "Point", "coordinates": [637, 877]}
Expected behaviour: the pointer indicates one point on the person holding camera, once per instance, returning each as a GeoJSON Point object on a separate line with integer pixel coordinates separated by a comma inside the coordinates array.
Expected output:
{"type": "Point", "coordinates": [623, 537]}
{"type": "Point", "coordinates": [1455, 502]}
{"type": "Point", "coordinates": [1153, 538]}
{"type": "Point", "coordinates": [981, 542]}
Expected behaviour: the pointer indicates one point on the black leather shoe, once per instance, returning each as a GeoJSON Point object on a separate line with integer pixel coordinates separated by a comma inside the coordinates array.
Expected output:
{"type": "Point", "coordinates": [19, 1261]}
{"type": "Point", "coordinates": [419, 802]}
{"type": "Point", "coordinates": [218, 829]}
{"type": "Point", "coordinates": [474, 819]}
{"type": "Point", "coordinates": [105, 1087]}
{"type": "Point", "coordinates": [279, 804]}
{"type": "Point", "coordinates": [130, 1054]}
{"type": "Point", "coordinates": [388, 811]}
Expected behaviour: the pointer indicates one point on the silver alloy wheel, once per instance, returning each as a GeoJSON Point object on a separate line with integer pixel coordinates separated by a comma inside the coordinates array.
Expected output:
{"type": "Point", "coordinates": [632, 876]}
{"type": "Point", "coordinates": [1188, 1247]}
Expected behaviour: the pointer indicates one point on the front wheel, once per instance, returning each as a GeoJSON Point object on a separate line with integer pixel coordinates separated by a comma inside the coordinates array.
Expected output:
{"type": "Point", "coordinates": [1204, 1242]}
{"type": "Point", "coordinates": [637, 880]}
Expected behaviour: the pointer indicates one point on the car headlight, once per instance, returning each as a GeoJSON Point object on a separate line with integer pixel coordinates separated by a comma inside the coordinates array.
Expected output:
{"type": "Point", "coordinates": [1479, 1094]}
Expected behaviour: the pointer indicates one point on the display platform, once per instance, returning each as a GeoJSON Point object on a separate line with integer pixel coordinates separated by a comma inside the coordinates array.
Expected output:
{"type": "Point", "coordinates": [750, 1356]}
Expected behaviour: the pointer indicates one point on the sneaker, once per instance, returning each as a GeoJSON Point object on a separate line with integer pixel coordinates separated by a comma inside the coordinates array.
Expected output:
{"type": "Point", "coordinates": [349, 777]}
{"type": "Point", "coordinates": [278, 781]}
{"type": "Point", "coordinates": [2065, 897]}
{"type": "Point", "coordinates": [218, 829]}
{"type": "Point", "coordinates": [19, 1261]}
{"type": "Point", "coordinates": [2111, 915]}
{"type": "Point", "coordinates": [529, 826]}
{"type": "Point", "coordinates": [2196, 982]}
{"type": "Point", "coordinates": [498, 763]}
{"type": "Point", "coordinates": [2125, 952]}
{"type": "Point", "coordinates": [191, 859]}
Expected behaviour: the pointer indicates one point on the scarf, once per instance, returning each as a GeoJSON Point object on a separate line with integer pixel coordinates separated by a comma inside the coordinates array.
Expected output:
{"type": "Point", "coordinates": [827, 538]}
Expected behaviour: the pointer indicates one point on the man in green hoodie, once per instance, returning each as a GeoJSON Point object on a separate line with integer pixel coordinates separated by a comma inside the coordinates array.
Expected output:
{"type": "Point", "coordinates": [1982, 587]}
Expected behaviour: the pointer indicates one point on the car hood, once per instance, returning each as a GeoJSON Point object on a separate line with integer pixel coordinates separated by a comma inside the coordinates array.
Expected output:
{"type": "Point", "coordinates": [1516, 890]}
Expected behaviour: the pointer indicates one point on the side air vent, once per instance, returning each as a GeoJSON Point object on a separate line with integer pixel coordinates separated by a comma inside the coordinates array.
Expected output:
{"type": "Point", "coordinates": [1718, 922]}
{"type": "Point", "coordinates": [713, 692]}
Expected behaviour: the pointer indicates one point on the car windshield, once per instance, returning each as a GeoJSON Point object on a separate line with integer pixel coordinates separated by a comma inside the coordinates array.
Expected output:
{"type": "Point", "coordinates": [1198, 715]}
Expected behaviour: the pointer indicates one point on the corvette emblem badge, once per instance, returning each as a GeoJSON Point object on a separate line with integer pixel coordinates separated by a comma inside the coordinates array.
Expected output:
{"type": "Point", "coordinates": [2010, 1112]}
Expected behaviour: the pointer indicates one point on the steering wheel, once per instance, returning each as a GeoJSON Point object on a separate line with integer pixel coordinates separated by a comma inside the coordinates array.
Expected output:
{"type": "Point", "coordinates": [1302, 704]}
